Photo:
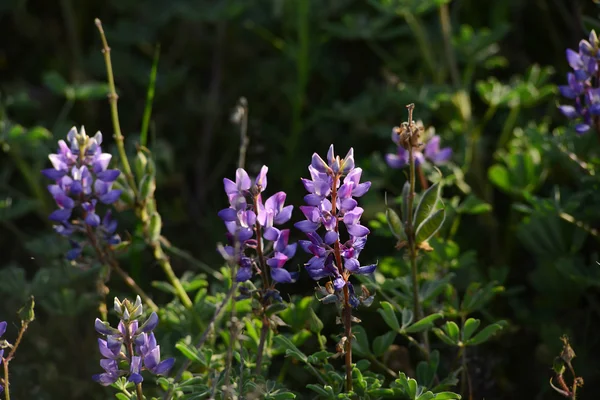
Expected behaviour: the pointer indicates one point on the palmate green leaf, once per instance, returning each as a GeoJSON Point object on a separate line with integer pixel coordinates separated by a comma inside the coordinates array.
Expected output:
{"type": "Point", "coordinates": [360, 344]}
{"type": "Point", "coordinates": [469, 327]}
{"type": "Point", "coordinates": [290, 348]}
{"type": "Point", "coordinates": [424, 323]}
{"type": "Point", "coordinates": [190, 352]}
{"type": "Point", "coordinates": [430, 226]}
{"type": "Point", "coordinates": [473, 205]}
{"type": "Point", "coordinates": [447, 396]}
{"type": "Point", "coordinates": [452, 330]}
{"type": "Point", "coordinates": [407, 318]}
{"type": "Point", "coordinates": [325, 391]}
{"type": "Point", "coordinates": [443, 337]}
{"type": "Point", "coordinates": [486, 333]}
{"type": "Point", "coordinates": [389, 315]}
{"type": "Point", "coordinates": [427, 204]}
{"type": "Point", "coordinates": [382, 343]}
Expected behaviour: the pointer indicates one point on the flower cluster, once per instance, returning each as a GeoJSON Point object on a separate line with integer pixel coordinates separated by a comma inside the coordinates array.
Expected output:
{"type": "Point", "coordinates": [131, 343]}
{"type": "Point", "coordinates": [582, 84]}
{"type": "Point", "coordinates": [82, 179]}
{"type": "Point", "coordinates": [248, 216]}
{"type": "Point", "coordinates": [431, 152]}
{"type": "Point", "coordinates": [3, 325]}
{"type": "Point", "coordinates": [330, 202]}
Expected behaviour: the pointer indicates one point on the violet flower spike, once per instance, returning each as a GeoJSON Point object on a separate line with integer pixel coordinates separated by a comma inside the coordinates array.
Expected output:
{"type": "Point", "coordinates": [82, 180]}
{"type": "Point", "coordinates": [246, 211]}
{"type": "Point", "coordinates": [582, 85]}
{"type": "Point", "coordinates": [129, 335]}
{"type": "Point", "coordinates": [331, 202]}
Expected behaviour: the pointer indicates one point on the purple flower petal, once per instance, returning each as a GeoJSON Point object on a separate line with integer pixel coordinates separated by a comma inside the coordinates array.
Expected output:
{"type": "Point", "coordinates": [281, 275]}
{"type": "Point", "coordinates": [358, 230]}
{"type": "Point", "coordinates": [271, 234]}
{"type": "Point", "coordinates": [441, 156]}
{"type": "Point", "coordinates": [92, 219]}
{"type": "Point", "coordinates": [110, 197]}
{"type": "Point", "coordinates": [261, 179]}
{"type": "Point", "coordinates": [339, 283]}
{"type": "Point", "coordinates": [3, 325]}
{"type": "Point", "coordinates": [54, 174]}
{"type": "Point", "coordinates": [228, 214]}
{"type": "Point", "coordinates": [150, 324]}
{"type": "Point", "coordinates": [306, 226]}
{"type": "Point", "coordinates": [243, 274]}
{"type": "Point", "coordinates": [574, 59]}
{"type": "Point", "coordinates": [284, 215]}
{"type": "Point", "coordinates": [104, 328]}
{"type": "Point", "coordinates": [242, 180]}
{"type": "Point", "coordinates": [351, 264]}
{"type": "Point", "coordinates": [110, 175]}
{"type": "Point", "coordinates": [582, 128]}
{"type": "Point", "coordinates": [331, 237]}
{"type": "Point", "coordinates": [60, 215]}
{"type": "Point", "coordinates": [164, 367]}
{"type": "Point", "coordinates": [101, 162]}
{"type": "Point", "coordinates": [367, 269]}
{"type": "Point", "coordinates": [318, 163]}
{"type": "Point", "coordinates": [569, 111]}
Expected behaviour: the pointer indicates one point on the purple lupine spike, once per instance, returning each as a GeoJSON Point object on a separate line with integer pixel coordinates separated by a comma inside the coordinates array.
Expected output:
{"type": "Point", "coordinates": [129, 335]}
{"type": "Point", "coordinates": [432, 152]}
{"type": "Point", "coordinates": [82, 180]}
{"type": "Point", "coordinates": [246, 214]}
{"type": "Point", "coordinates": [332, 202]}
{"type": "Point", "coordinates": [582, 84]}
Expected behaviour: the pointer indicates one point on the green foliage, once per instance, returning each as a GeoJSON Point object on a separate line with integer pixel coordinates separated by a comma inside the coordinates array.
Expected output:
{"type": "Point", "coordinates": [513, 240]}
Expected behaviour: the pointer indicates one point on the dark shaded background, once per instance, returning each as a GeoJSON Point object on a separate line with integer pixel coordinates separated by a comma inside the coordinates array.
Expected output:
{"type": "Point", "coordinates": [314, 73]}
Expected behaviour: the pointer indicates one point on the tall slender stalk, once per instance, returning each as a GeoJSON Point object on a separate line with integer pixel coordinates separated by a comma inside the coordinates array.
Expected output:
{"type": "Point", "coordinates": [410, 229]}
{"type": "Point", "coordinates": [114, 111]}
{"type": "Point", "coordinates": [11, 355]}
{"type": "Point", "coordinates": [157, 250]}
{"type": "Point", "coordinates": [138, 387]}
{"type": "Point", "coordinates": [264, 273]}
{"type": "Point", "coordinates": [347, 308]}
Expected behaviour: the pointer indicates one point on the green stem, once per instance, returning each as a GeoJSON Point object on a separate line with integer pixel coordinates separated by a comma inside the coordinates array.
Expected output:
{"type": "Point", "coordinates": [165, 264]}
{"type": "Point", "coordinates": [420, 34]}
{"type": "Point", "coordinates": [149, 99]}
{"type": "Point", "coordinates": [114, 111]}
{"type": "Point", "coordinates": [447, 36]}
{"type": "Point", "coordinates": [508, 127]}
{"type": "Point", "coordinates": [412, 245]}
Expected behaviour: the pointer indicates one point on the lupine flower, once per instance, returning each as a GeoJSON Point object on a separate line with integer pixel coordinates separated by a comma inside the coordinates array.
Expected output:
{"type": "Point", "coordinates": [82, 179]}
{"type": "Point", "coordinates": [431, 152]}
{"type": "Point", "coordinates": [331, 202]}
{"type": "Point", "coordinates": [3, 325]}
{"type": "Point", "coordinates": [247, 215]}
{"type": "Point", "coordinates": [129, 335]}
{"type": "Point", "coordinates": [582, 84]}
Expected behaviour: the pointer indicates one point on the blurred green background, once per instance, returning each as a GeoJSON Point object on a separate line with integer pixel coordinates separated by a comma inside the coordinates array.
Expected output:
{"type": "Point", "coordinates": [314, 72]}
